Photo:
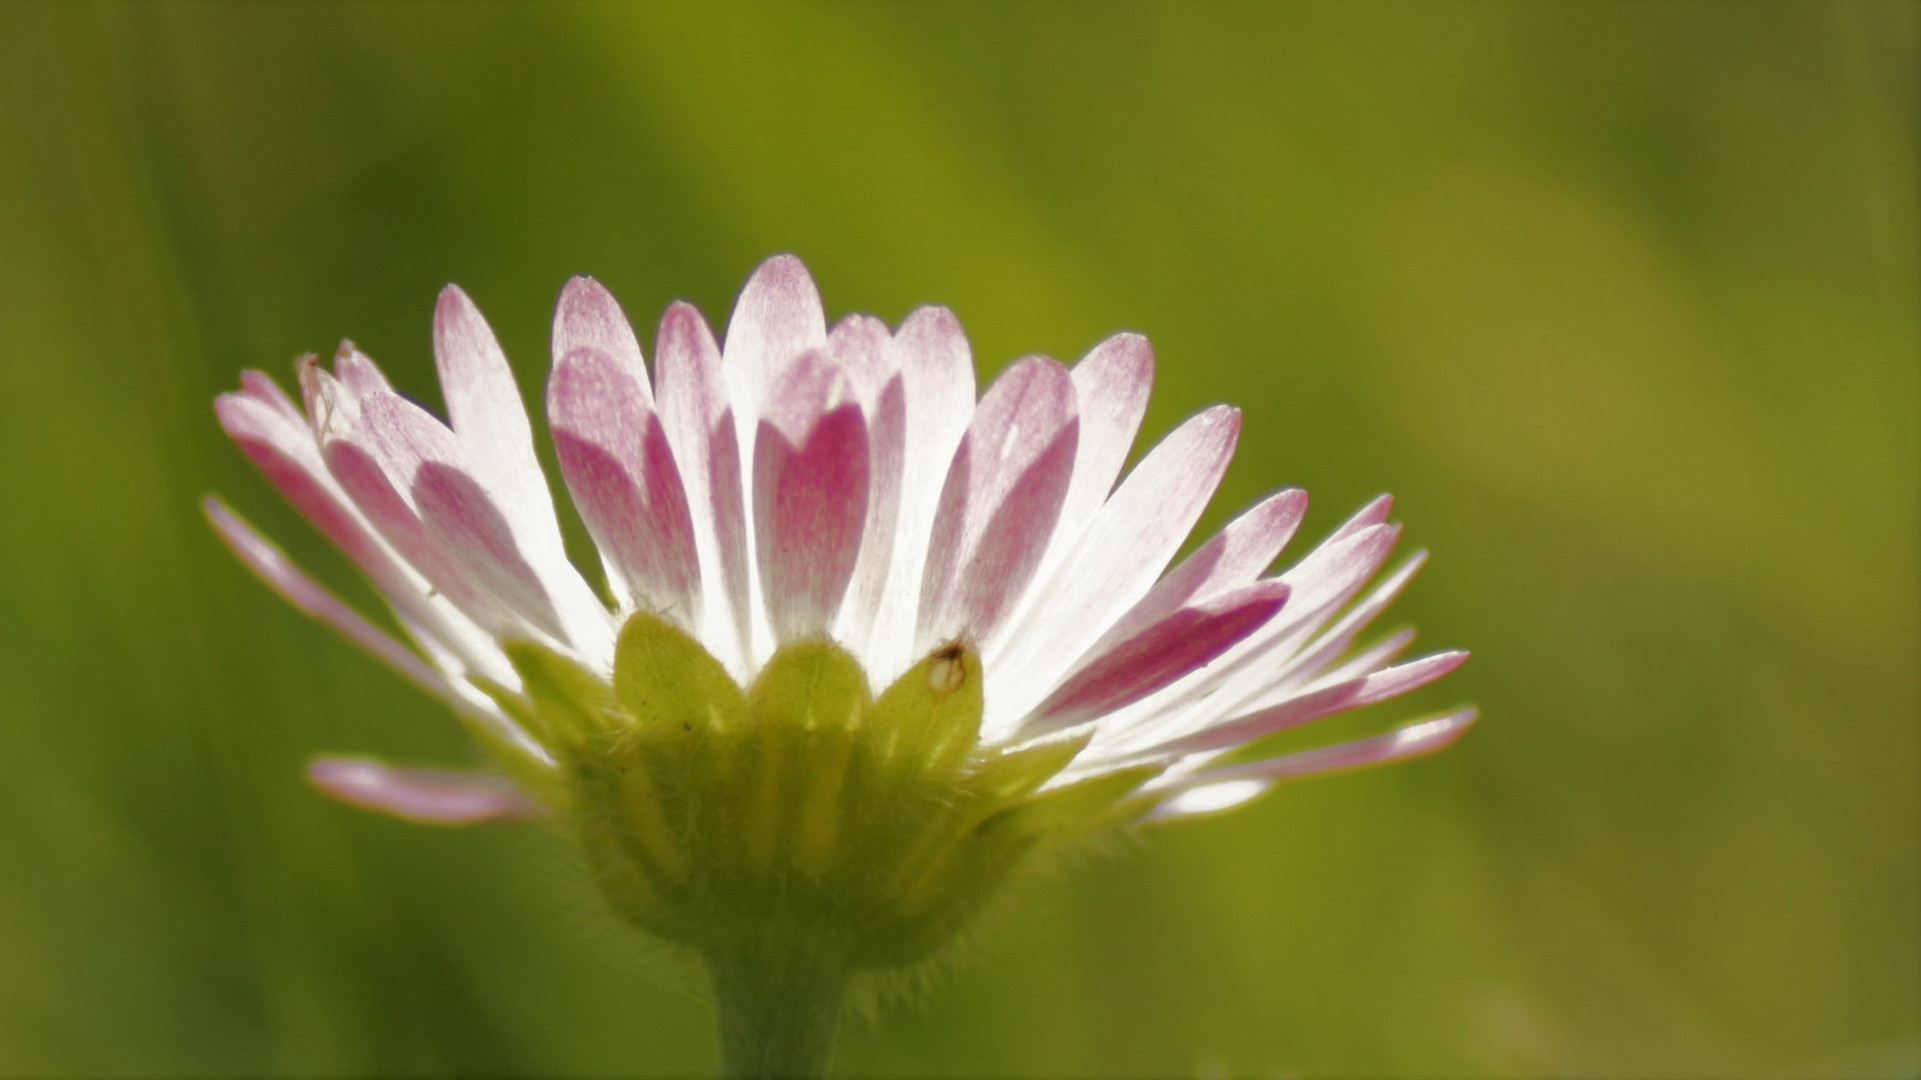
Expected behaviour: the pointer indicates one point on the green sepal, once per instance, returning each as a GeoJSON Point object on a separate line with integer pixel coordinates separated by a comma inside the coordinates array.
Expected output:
{"type": "Point", "coordinates": [667, 682]}
{"type": "Point", "coordinates": [809, 708]}
{"type": "Point", "coordinates": [571, 704]}
{"type": "Point", "coordinates": [801, 813]}
{"type": "Point", "coordinates": [929, 720]}
{"type": "Point", "coordinates": [1098, 801]}
{"type": "Point", "coordinates": [1016, 773]}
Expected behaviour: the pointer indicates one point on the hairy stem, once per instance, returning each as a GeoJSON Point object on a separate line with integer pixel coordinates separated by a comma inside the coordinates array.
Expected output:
{"type": "Point", "coordinates": [778, 1014]}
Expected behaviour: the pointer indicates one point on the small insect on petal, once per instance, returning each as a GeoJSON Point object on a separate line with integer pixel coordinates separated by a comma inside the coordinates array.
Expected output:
{"type": "Point", "coordinates": [946, 671]}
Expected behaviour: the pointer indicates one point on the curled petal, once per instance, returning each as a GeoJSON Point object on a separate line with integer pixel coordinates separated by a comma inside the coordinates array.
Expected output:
{"type": "Point", "coordinates": [282, 448]}
{"type": "Point", "coordinates": [422, 796]}
{"type": "Point", "coordinates": [275, 437]}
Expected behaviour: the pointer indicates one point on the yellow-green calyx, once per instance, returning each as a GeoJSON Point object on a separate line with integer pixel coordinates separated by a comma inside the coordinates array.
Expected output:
{"type": "Point", "coordinates": [801, 814]}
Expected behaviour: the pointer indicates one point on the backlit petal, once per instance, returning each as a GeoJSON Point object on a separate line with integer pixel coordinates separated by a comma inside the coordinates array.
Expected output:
{"type": "Point", "coordinates": [1001, 499]}
{"type": "Point", "coordinates": [1221, 789]}
{"type": "Point", "coordinates": [810, 496]}
{"type": "Point", "coordinates": [1166, 650]}
{"type": "Point", "coordinates": [698, 419]}
{"type": "Point", "coordinates": [937, 383]}
{"type": "Point", "coordinates": [1113, 565]}
{"type": "Point", "coordinates": [616, 460]}
{"type": "Point", "coordinates": [588, 317]}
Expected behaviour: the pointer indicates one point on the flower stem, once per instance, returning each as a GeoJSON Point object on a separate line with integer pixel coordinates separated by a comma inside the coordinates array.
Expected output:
{"type": "Point", "coordinates": [778, 1015]}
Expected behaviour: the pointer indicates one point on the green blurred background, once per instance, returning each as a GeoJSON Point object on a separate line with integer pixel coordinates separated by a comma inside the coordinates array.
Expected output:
{"type": "Point", "coordinates": [1621, 299]}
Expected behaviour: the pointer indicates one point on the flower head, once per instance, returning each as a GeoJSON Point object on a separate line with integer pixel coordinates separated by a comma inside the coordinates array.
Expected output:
{"type": "Point", "coordinates": [864, 639]}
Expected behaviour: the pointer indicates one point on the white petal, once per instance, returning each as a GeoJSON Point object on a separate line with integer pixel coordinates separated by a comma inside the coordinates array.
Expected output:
{"type": "Point", "coordinates": [617, 462]}
{"type": "Point", "coordinates": [697, 416]}
{"type": "Point", "coordinates": [1321, 583]}
{"type": "Point", "coordinates": [485, 410]}
{"type": "Point", "coordinates": [810, 496]}
{"type": "Point", "coordinates": [1115, 563]}
{"type": "Point", "coordinates": [937, 380]}
{"type": "Point", "coordinates": [999, 503]}
{"type": "Point", "coordinates": [274, 435]}
{"type": "Point", "coordinates": [1314, 705]}
{"type": "Point", "coordinates": [866, 352]}
{"type": "Point", "coordinates": [588, 317]}
{"type": "Point", "coordinates": [777, 317]}
{"type": "Point", "coordinates": [1214, 790]}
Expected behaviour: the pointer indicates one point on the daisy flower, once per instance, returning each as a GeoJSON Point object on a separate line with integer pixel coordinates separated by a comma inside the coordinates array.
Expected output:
{"type": "Point", "coordinates": [865, 642]}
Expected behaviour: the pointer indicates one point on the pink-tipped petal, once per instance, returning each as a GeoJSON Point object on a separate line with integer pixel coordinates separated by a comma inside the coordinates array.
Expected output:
{"type": "Point", "coordinates": [1320, 584]}
{"type": "Point", "coordinates": [615, 457]}
{"type": "Point", "coordinates": [464, 517]}
{"type": "Point", "coordinates": [1000, 502]}
{"type": "Point", "coordinates": [865, 352]}
{"type": "Point", "coordinates": [1220, 789]}
{"type": "Point", "coordinates": [283, 450]}
{"type": "Point", "coordinates": [1334, 573]}
{"type": "Point", "coordinates": [272, 566]}
{"type": "Point", "coordinates": [937, 383]}
{"type": "Point", "coordinates": [485, 411]}
{"type": "Point", "coordinates": [256, 385]}
{"type": "Point", "coordinates": [697, 417]}
{"type": "Point", "coordinates": [810, 496]}
{"type": "Point", "coordinates": [281, 446]}
{"type": "Point", "coordinates": [422, 796]}
{"type": "Point", "coordinates": [1315, 705]}
{"type": "Point", "coordinates": [777, 317]}
{"type": "Point", "coordinates": [1373, 658]}
{"type": "Point", "coordinates": [1233, 557]}
{"type": "Point", "coordinates": [1179, 643]}
{"type": "Point", "coordinates": [588, 317]}
{"type": "Point", "coordinates": [1333, 642]}
{"type": "Point", "coordinates": [1374, 513]}
{"type": "Point", "coordinates": [1113, 565]}
{"type": "Point", "coordinates": [362, 476]}
{"type": "Point", "coordinates": [424, 461]}
{"type": "Point", "coordinates": [1111, 386]}
{"type": "Point", "coordinates": [359, 372]}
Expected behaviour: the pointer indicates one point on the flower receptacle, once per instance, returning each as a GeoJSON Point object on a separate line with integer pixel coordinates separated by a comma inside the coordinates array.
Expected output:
{"type": "Point", "coordinates": [801, 809]}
